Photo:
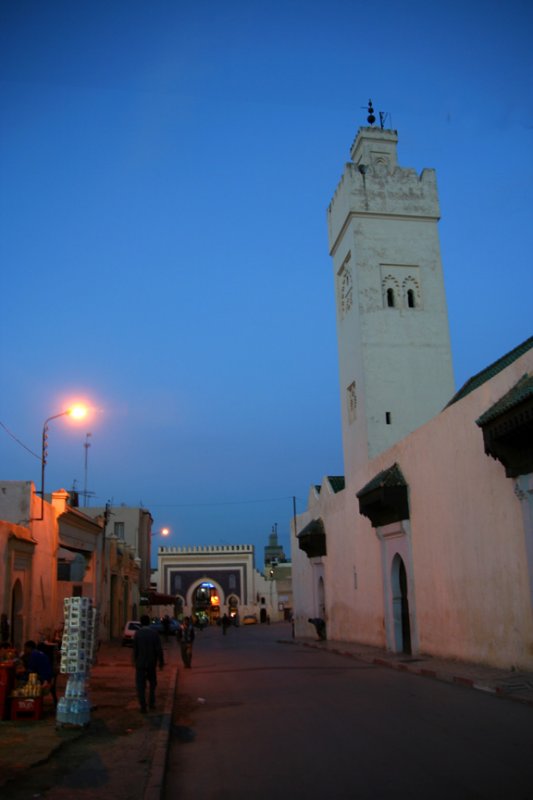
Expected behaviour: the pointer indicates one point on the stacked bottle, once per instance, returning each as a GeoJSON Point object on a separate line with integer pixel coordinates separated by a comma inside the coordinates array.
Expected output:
{"type": "Point", "coordinates": [78, 649]}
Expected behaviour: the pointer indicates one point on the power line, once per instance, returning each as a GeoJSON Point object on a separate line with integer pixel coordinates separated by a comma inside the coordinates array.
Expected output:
{"type": "Point", "coordinates": [219, 503]}
{"type": "Point", "coordinates": [19, 442]}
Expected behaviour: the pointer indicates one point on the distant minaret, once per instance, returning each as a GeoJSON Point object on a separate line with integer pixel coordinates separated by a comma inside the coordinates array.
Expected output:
{"type": "Point", "coordinates": [392, 324]}
{"type": "Point", "coordinates": [273, 551]}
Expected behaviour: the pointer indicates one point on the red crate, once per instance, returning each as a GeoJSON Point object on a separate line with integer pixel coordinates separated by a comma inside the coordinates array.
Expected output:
{"type": "Point", "coordinates": [26, 708]}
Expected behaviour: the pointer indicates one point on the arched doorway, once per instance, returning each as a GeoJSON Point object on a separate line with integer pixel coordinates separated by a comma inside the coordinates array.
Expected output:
{"type": "Point", "coordinates": [17, 616]}
{"type": "Point", "coordinates": [400, 606]}
{"type": "Point", "coordinates": [206, 602]}
{"type": "Point", "coordinates": [233, 608]}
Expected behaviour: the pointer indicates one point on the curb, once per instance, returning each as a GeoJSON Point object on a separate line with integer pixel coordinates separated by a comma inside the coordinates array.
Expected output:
{"type": "Point", "coordinates": [425, 672]}
{"type": "Point", "coordinates": [156, 774]}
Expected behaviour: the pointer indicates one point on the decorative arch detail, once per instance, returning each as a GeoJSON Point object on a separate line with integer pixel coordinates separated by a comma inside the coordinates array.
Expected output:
{"type": "Point", "coordinates": [390, 288]}
{"type": "Point", "coordinates": [411, 292]}
{"type": "Point", "coordinates": [345, 286]}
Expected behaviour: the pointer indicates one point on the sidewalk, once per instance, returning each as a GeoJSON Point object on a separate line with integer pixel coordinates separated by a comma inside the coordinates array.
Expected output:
{"type": "Point", "coordinates": [120, 755]}
{"type": "Point", "coordinates": [504, 683]}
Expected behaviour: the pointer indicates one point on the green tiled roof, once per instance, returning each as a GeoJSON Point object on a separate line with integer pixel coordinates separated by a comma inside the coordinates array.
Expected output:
{"type": "Point", "coordinates": [489, 372]}
{"type": "Point", "coordinates": [388, 477]}
{"type": "Point", "coordinates": [521, 391]}
{"type": "Point", "coordinates": [337, 482]}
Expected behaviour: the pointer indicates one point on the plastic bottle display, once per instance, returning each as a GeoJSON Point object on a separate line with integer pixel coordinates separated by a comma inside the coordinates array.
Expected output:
{"type": "Point", "coordinates": [78, 650]}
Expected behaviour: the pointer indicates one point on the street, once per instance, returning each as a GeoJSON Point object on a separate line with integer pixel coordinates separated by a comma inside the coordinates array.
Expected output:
{"type": "Point", "coordinates": [260, 716]}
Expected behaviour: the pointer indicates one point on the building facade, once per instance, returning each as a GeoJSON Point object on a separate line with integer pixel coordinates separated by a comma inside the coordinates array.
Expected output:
{"type": "Point", "coordinates": [214, 581]}
{"type": "Point", "coordinates": [425, 545]}
{"type": "Point", "coordinates": [127, 573]}
{"type": "Point", "coordinates": [48, 551]}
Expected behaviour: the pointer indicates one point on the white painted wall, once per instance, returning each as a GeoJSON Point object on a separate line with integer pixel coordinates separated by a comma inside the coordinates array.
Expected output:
{"type": "Point", "coordinates": [469, 558]}
{"type": "Point", "coordinates": [469, 536]}
{"type": "Point", "coordinates": [383, 232]}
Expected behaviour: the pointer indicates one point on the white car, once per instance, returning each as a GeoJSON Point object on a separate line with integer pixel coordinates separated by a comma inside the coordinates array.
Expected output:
{"type": "Point", "coordinates": [130, 629]}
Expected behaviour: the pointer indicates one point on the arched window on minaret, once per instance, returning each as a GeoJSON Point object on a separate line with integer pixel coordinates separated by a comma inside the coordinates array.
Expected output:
{"type": "Point", "coordinates": [391, 291]}
{"type": "Point", "coordinates": [411, 292]}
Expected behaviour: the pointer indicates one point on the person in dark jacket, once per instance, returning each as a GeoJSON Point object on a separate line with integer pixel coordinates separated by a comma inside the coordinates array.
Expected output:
{"type": "Point", "coordinates": [186, 638]}
{"type": "Point", "coordinates": [320, 627]}
{"type": "Point", "coordinates": [147, 654]}
{"type": "Point", "coordinates": [36, 661]}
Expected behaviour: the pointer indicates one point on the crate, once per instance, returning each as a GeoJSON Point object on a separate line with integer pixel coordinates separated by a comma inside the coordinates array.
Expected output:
{"type": "Point", "coordinates": [29, 709]}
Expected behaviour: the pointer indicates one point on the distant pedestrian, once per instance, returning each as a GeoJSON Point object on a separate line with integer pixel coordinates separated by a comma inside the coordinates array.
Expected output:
{"type": "Point", "coordinates": [166, 627]}
{"type": "Point", "coordinates": [320, 627]}
{"type": "Point", "coordinates": [186, 639]}
{"type": "Point", "coordinates": [147, 654]}
{"type": "Point", "coordinates": [225, 624]}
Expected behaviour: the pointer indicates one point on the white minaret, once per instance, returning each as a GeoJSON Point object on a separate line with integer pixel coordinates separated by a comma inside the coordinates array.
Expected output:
{"type": "Point", "coordinates": [392, 324]}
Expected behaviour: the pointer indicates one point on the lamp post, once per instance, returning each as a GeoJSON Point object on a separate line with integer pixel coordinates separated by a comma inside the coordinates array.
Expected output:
{"type": "Point", "coordinates": [76, 412]}
{"type": "Point", "coordinates": [162, 532]}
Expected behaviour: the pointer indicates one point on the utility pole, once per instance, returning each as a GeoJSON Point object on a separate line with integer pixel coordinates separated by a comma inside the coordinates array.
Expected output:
{"type": "Point", "coordinates": [86, 445]}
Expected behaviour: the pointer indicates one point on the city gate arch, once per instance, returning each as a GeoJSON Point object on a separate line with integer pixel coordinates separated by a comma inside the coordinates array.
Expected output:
{"type": "Point", "coordinates": [206, 596]}
{"type": "Point", "coordinates": [229, 568]}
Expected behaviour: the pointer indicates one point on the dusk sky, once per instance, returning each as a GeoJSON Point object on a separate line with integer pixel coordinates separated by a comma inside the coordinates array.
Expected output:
{"type": "Point", "coordinates": [165, 170]}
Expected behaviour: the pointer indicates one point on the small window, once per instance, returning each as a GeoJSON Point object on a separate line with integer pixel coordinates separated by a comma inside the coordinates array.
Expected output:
{"type": "Point", "coordinates": [352, 402]}
{"type": "Point", "coordinates": [119, 530]}
{"type": "Point", "coordinates": [411, 298]}
{"type": "Point", "coordinates": [388, 417]}
{"type": "Point", "coordinates": [390, 298]}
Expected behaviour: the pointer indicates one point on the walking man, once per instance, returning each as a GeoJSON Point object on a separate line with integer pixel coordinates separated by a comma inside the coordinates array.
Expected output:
{"type": "Point", "coordinates": [147, 654]}
{"type": "Point", "coordinates": [186, 638]}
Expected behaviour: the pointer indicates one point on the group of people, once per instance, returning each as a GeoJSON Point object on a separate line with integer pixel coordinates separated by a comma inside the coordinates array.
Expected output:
{"type": "Point", "coordinates": [148, 656]}
{"type": "Point", "coordinates": [35, 659]}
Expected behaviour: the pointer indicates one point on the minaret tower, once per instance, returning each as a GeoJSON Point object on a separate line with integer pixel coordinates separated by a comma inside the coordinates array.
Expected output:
{"type": "Point", "coordinates": [392, 324]}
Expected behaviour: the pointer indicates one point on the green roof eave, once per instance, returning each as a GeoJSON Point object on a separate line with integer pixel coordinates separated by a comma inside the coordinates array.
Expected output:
{"type": "Point", "coordinates": [493, 369]}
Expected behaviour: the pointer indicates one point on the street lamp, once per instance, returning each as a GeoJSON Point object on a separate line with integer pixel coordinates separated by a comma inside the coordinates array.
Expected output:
{"type": "Point", "coordinates": [162, 532]}
{"type": "Point", "coordinates": [76, 411]}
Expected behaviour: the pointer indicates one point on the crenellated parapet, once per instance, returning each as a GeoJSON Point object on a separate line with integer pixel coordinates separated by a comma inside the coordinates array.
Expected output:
{"type": "Point", "coordinates": [373, 185]}
{"type": "Point", "coordinates": [208, 549]}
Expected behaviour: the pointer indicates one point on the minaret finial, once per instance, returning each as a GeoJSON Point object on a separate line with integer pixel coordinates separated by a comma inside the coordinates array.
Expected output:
{"type": "Point", "coordinates": [371, 118]}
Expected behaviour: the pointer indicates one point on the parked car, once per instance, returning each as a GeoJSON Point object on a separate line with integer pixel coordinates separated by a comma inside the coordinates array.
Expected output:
{"type": "Point", "coordinates": [174, 626]}
{"type": "Point", "coordinates": [130, 629]}
{"type": "Point", "coordinates": [249, 619]}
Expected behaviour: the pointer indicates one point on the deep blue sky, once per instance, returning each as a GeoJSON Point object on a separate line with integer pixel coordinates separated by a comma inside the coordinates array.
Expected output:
{"type": "Point", "coordinates": [165, 171]}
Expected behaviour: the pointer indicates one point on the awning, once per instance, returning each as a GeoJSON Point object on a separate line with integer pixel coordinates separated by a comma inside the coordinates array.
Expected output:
{"type": "Point", "coordinates": [312, 539]}
{"type": "Point", "coordinates": [64, 554]}
{"type": "Point", "coordinates": [508, 428]}
{"type": "Point", "coordinates": [157, 599]}
{"type": "Point", "coordinates": [385, 498]}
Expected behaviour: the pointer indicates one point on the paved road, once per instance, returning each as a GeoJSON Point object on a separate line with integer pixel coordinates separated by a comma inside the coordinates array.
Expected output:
{"type": "Point", "coordinates": [256, 718]}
